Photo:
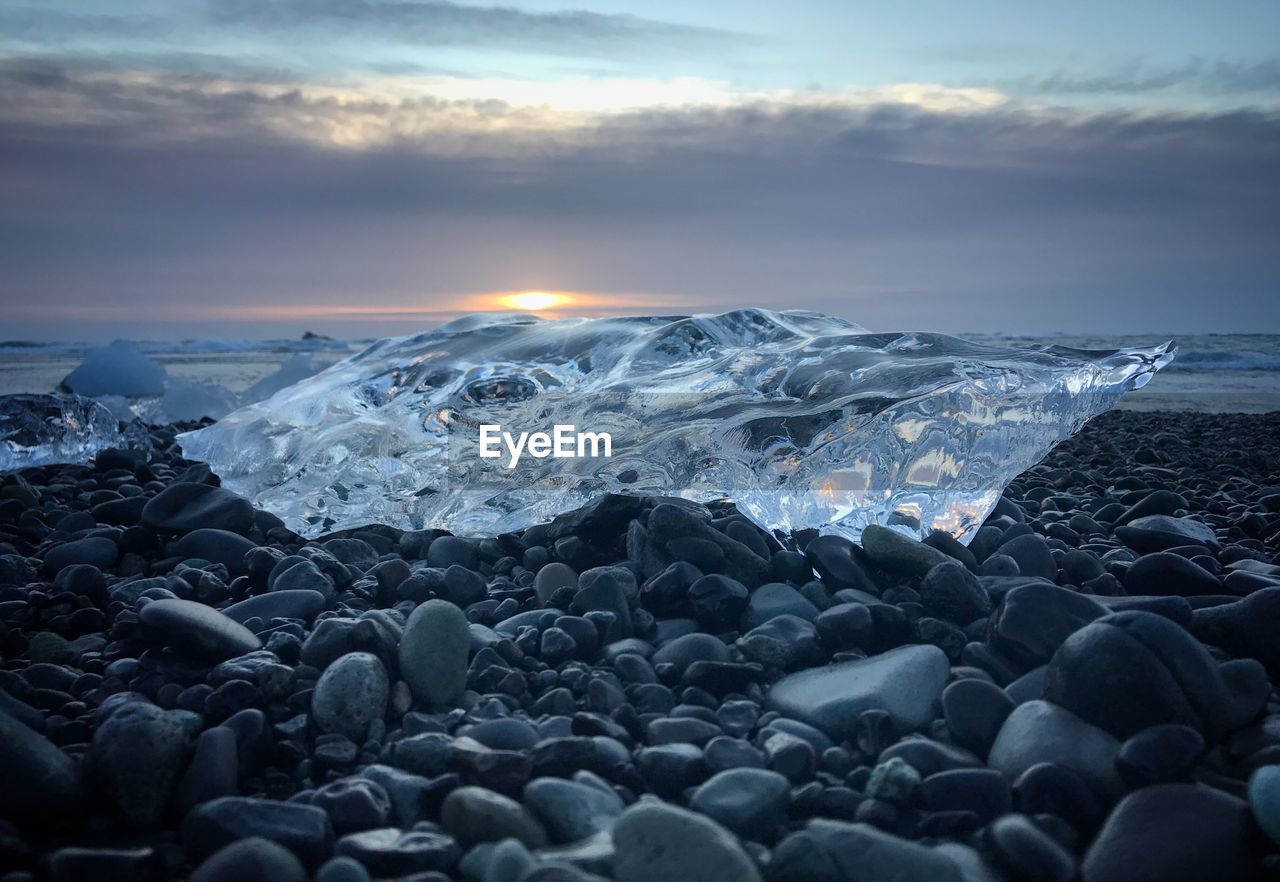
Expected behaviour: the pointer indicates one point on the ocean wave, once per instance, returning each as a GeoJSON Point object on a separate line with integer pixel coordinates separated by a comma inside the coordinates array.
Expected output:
{"type": "Point", "coordinates": [1206, 360]}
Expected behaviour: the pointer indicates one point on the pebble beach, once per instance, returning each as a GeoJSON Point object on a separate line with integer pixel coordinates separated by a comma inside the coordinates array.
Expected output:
{"type": "Point", "coordinates": [650, 689]}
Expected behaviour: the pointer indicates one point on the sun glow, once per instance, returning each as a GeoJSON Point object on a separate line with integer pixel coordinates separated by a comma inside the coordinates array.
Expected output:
{"type": "Point", "coordinates": [536, 301]}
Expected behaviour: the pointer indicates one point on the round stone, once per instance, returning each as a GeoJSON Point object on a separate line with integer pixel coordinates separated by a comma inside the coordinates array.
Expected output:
{"type": "Point", "coordinates": [655, 840]}
{"type": "Point", "coordinates": [434, 650]}
{"type": "Point", "coordinates": [750, 802]}
{"type": "Point", "coordinates": [136, 756]}
{"type": "Point", "coordinates": [1264, 799]}
{"type": "Point", "coordinates": [251, 860]}
{"type": "Point", "coordinates": [350, 695]}
{"type": "Point", "coordinates": [474, 814]}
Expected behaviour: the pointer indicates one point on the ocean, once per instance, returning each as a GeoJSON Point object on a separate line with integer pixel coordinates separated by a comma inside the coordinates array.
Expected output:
{"type": "Point", "coordinates": [1213, 373]}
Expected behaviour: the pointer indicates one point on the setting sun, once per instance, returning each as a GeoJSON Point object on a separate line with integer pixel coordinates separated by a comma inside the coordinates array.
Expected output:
{"type": "Point", "coordinates": [535, 301]}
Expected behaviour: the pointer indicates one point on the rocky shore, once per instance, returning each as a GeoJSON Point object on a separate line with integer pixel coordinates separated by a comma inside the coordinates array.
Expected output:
{"type": "Point", "coordinates": [648, 689]}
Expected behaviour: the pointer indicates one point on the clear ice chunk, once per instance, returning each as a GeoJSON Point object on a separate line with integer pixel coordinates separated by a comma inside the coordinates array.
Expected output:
{"type": "Point", "coordinates": [38, 430]}
{"type": "Point", "coordinates": [801, 419]}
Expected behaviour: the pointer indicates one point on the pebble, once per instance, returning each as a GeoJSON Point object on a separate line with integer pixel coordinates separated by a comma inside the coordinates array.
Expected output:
{"type": "Point", "coordinates": [200, 630]}
{"type": "Point", "coordinates": [302, 829]}
{"type": "Point", "coordinates": [1164, 573]}
{"type": "Point", "coordinates": [433, 652]}
{"type": "Point", "coordinates": [96, 551]}
{"type": "Point", "coordinates": [655, 840]}
{"type": "Point", "coordinates": [393, 853]}
{"type": "Point", "coordinates": [39, 784]}
{"type": "Point", "coordinates": [897, 553]}
{"type": "Point", "coordinates": [571, 811]}
{"type": "Point", "coordinates": [251, 860]}
{"type": "Point", "coordinates": [1264, 800]}
{"type": "Point", "coordinates": [1040, 732]}
{"type": "Point", "coordinates": [351, 695]}
{"type": "Point", "coordinates": [1173, 833]}
{"type": "Point", "coordinates": [216, 546]}
{"type": "Point", "coordinates": [1132, 670]}
{"type": "Point", "coordinates": [474, 814]}
{"type": "Point", "coordinates": [906, 682]}
{"type": "Point", "coordinates": [136, 757]}
{"type": "Point", "coordinates": [975, 710]}
{"type": "Point", "coordinates": [184, 507]}
{"type": "Point", "coordinates": [949, 591]}
{"type": "Point", "coordinates": [749, 802]}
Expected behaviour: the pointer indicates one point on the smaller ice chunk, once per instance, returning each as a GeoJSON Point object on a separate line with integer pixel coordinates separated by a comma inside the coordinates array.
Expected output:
{"type": "Point", "coordinates": [117, 369]}
{"type": "Point", "coordinates": [186, 401]}
{"type": "Point", "coordinates": [292, 370]}
{"type": "Point", "coordinates": [38, 430]}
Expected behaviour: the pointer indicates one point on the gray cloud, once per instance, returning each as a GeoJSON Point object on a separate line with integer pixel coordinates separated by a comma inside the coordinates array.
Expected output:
{"type": "Point", "coordinates": [144, 195]}
{"type": "Point", "coordinates": [442, 23]}
{"type": "Point", "coordinates": [1199, 76]}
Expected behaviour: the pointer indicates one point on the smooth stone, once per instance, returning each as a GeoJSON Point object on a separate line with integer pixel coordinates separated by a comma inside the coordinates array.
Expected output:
{"type": "Point", "coordinates": [199, 630]}
{"type": "Point", "coordinates": [1246, 628]}
{"type": "Point", "coordinates": [409, 793]}
{"type": "Point", "coordinates": [351, 695]}
{"type": "Point", "coordinates": [950, 592]}
{"type": "Point", "coordinates": [1160, 755]}
{"type": "Point", "coordinates": [474, 814]}
{"type": "Point", "coordinates": [342, 869]}
{"type": "Point", "coordinates": [896, 553]}
{"type": "Point", "coordinates": [39, 784]}
{"type": "Point", "coordinates": [783, 642]}
{"type": "Point", "coordinates": [985, 792]}
{"type": "Point", "coordinates": [445, 551]}
{"type": "Point", "coordinates": [75, 864]}
{"type": "Point", "coordinates": [975, 710]}
{"type": "Point", "coordinates": [1173, 833]}
{"type": "Point", "coordinates": [1029, 852]}
{"type": "Point", "coordinates": [251, 860]}
{"type": "Point", "coordinates": [1133, 670]}
{"type": "Point", "coordinates": [183, 507]}
{"type": "Point", "coordinates": [392, 853]}
{"type": "Point", "coordinates": [862, 852]}
{"type": "Point", "coordinates": [1162, 532]}
{"type": "Point", "coordinates": [1264, 799]}
{"type": "Point", "coordinates": [775, 599]}
{"type": "Point", "coordinates": [97, 551]}
{"type": "Point", "coordinates": [750, 802]}
{"type": "Point", "coordinates": [906, 682]}
{"type": "Point", "coordinates": [434, 651]}
{"type": "Point", "coordinates": [509, 862]}
{"type": "Point", "coordinates": [1032, 556]}
{"type": "Point", "coordinates": [136, 757]}
{"type": "Point", "coordinates": [1163, 502]}
{"type": "Point", "coordinates": [684, 651]}
{"type": "Point", "coordinates": [214, 769]}
{"type": "Point", "coordinates": [1038, 732]}
{"type": "Point", "coordinates": [571, 811]}
{"type": "Point", "coordinates": [1164, 573]}
{"type": "Point", "coordinates": [655, 840]}
{"type": "Point", "coordinates": [301, 603]}
{"type": "Point", "coordinates": [551, 578]}
{"type": "Point", "coordinates": [216, 546]}
{"type": "Point", "coordinates": [302, 829]}
{"type": "Point", "coordinates": [1037, 616]}
{"type": "Point", "coordinates": [353, 804]}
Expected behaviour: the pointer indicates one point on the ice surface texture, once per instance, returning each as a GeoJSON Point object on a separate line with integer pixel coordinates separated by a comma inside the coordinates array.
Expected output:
{"type": "Point", "coordinates": [802, 419]}
{"type": "Point", "coordinates": [39, 430]}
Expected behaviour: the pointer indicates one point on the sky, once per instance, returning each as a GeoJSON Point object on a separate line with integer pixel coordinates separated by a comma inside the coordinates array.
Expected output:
{"type": "Point", "coordinates": [256, 168]}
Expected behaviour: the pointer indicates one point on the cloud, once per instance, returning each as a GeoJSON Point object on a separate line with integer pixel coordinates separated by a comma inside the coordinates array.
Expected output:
{"type": "Point", "coordinates": [1198, 76]}
{"type": "Point", "coordinates": [442, 23]}
{"type": "Point", "coordinates": [126, 191]}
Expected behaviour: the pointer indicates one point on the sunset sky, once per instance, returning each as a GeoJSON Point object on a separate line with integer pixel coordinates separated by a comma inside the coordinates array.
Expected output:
{"type": "Point", "coordinates": [357, 167]}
